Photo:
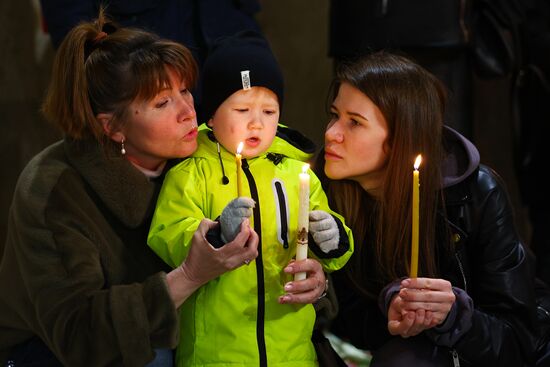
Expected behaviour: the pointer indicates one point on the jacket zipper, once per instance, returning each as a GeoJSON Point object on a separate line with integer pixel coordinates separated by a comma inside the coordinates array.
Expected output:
{"type": "Point", "coordinates": [260, 337]}
{"type": "Point", "coordinates": [282, 213]}
{"type": "Point", "coordinates": [456, 361]}
{"type": "Point", "coordinates": [462, 272]}
{"type": "Point", "coordinates": [454, 353]}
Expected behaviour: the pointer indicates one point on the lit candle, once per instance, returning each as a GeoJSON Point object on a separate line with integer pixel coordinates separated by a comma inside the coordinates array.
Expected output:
{"type": "Point", "coordinates": [239, 168]}
{"type": "Point", "coordinates": [303, 220]}
{"type": "Point", "coordinates": [415, 217]}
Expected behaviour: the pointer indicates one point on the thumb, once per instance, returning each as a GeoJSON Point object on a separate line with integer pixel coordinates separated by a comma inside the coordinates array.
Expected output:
{"type": "Point", "coordinates": [205, 225]}
{"type": "Point", "coordinates": [316, 215]}
{"type": "Point", "coordinates": [393, 327]}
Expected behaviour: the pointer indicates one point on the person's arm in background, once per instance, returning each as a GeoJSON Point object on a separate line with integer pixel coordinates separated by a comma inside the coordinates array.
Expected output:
{"type": "Point", "coordinates": [61, 16]}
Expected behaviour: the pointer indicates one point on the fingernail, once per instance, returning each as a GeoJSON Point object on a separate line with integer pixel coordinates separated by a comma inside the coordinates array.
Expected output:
{"type": "Point", "coordinates": [284, 299]}
{"type": "Point", "coordinates": [288, 287]}
{"type": "Point", "coordinates": [289, 269]}
{"type": "Point", "coordinates": [406, 283]}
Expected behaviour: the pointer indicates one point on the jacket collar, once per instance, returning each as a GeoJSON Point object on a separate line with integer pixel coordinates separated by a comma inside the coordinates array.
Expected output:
{"type": "Point", "coordinates": [126, 191]}
{"type": "Point", "coordinates": [288, 142]}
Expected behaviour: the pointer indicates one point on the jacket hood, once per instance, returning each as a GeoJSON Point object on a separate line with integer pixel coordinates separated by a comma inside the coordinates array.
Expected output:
{"type": "Point", "coordinates": [462, 157]}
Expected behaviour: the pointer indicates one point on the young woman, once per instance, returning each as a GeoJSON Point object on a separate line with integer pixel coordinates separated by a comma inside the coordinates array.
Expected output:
{"type": "Point", "coordinates": [473, 301]}
{"type": "Point", "coordinates": [78, 284]}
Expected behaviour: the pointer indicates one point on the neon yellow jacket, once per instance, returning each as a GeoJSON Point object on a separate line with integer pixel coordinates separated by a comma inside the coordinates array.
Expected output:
{"type": "Point", "coordinates": [235, 319]}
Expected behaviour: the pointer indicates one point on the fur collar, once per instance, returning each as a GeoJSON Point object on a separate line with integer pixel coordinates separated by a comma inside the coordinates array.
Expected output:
{"type": "Point", "coordinates": [126, 191]}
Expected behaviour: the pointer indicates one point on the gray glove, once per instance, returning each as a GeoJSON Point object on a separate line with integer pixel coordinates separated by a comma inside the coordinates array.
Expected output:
{"type": "Point", "coordinates": [324, 230]}
{"type": "Point", "coordinates": [232, 216]}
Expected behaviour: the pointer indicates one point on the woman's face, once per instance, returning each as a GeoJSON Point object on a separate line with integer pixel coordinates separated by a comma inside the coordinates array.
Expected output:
{"type": "Point", "coordinates": [162, 128]}
{"type": "Point", "coordinates": [250, 116]}
{"type": "Point", "coordinates": [355, 139]}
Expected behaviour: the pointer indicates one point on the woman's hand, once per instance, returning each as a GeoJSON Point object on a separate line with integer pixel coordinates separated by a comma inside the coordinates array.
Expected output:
{"type": "Point", "coordinates": [421, 304]}
{"type": "Point", "coordinates": [308, 290]}
{"type": "Point", "coordinates": [204, 262]}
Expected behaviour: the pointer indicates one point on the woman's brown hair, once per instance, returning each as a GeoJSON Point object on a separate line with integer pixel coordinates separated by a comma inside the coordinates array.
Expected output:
{"type": "Point", "coordinates": [100, 68]}
{"type": "Point", "coordinates": [412, 102]}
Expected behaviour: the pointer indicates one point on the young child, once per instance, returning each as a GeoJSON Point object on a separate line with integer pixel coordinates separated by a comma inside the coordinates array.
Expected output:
{"type": "Point", "coordinates": [236, 319]}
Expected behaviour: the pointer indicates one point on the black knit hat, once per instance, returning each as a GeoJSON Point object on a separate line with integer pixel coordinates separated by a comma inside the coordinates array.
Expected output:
{"type": "Point", "coordinates": [225, 69]}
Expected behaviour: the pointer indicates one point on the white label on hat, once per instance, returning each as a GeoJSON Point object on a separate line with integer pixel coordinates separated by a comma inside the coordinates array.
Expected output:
{"type": "Point", "coordinates": [245, 78]}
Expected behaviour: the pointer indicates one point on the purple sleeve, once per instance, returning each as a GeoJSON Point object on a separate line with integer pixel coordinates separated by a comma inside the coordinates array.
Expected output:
{"type": "Point", "coordinates": [457, 323]}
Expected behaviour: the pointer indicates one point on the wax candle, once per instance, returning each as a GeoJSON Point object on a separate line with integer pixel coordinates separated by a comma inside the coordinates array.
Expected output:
{"type": "Point", "coordinates": [303, 219]}
{"type": "Point", "coordinates": [239, 168]}
{"type": "Point", "coordinates": [415, 217]}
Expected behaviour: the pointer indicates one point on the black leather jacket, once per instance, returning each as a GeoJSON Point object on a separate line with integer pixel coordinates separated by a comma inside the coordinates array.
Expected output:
{"type": "Point", "coordinates": [489, 268]}
{"type": "Point", "coordinates": [493, 268]}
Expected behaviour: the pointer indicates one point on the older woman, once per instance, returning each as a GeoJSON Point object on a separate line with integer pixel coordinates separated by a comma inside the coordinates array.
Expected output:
{"type": "Point", "coordinates": [78, 284]}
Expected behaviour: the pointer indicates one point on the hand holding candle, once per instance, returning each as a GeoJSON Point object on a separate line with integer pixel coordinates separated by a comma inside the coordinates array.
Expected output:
{"type": "Point", "coordinates": [415, 217]}
{"type": "Point", "coordinates": [239, 168]}
{"type": "Point", "coordinates": [303, 220]}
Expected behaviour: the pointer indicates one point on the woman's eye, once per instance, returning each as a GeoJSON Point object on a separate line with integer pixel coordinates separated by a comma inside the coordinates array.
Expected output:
{"type": "Point", "coordinates": [241, 109]}
{"type": "Point", "coordinates": [184, 91]}
{"type": "Point", "coordinates": [269, 112]}
{"type": "Point", "coordinates": [161, 104]}
{"type": "Point", "coordinates": [354, 122]}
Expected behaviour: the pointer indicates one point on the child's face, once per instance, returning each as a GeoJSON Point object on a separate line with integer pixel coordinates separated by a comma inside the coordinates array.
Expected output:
{"type": "Point", "coordinates": [250, 116]}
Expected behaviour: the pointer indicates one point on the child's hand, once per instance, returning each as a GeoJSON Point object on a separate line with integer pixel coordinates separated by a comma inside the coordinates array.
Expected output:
{"type": "Point", "coordinates": [324, 230]}
{"type": "Point", "coordinates": [232, 215]}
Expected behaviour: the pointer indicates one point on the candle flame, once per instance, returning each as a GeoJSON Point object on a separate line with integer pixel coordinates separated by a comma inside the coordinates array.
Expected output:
{"type": "Point", "coordinates": [417, 161]}
{"type": "Point", "coordinates": [305, 167]}
{"type": "Point", "coordinates": [240, 147]}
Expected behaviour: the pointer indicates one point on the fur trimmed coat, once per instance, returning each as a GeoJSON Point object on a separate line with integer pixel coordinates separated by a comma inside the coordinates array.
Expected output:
{"type": "Point", "coordinates": [76, 272]}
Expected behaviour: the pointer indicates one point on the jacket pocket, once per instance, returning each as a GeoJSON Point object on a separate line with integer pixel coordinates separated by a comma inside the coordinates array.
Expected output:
{"type": "Point", "coordinates": [281, 204]}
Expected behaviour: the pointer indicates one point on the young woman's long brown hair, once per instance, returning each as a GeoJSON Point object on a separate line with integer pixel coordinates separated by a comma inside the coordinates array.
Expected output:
{"type": "Point", "coordinates": [412, 102]}
{"type": "Point", "coordinates": [102, 69]}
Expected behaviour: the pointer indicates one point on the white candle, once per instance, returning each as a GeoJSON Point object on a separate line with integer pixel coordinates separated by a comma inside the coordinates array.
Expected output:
{"type": "Point", "coordinates": [239, 168]}
{"type": "Point", "coordinates": [303, 220]}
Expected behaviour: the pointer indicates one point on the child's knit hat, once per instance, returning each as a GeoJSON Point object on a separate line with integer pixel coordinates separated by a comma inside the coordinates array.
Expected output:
{"type": "Point", "coordinates": [241, 61]}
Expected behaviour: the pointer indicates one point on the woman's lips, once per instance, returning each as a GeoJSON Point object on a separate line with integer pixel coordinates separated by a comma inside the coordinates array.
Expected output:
{"type": "Point", "coordinates": [191, 135]}
{"type": "Point", "coordinates": [330, 155]}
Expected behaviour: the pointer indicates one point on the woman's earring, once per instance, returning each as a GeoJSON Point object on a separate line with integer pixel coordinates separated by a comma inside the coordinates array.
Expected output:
{"type": "Point", "coordinates": [122, 150]}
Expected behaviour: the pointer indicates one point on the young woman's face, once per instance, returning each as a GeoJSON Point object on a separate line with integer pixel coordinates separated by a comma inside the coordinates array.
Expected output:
{"type": "Point", "coordinates": [249, 116]}
{"type": "Point", "coordinates": [162, 128]}
{"type": "Point", "coordinates": [355, 139]}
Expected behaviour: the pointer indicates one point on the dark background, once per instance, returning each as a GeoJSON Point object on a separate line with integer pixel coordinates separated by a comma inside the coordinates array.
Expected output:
{"type": "Point", "coordinates": [298, 32]}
